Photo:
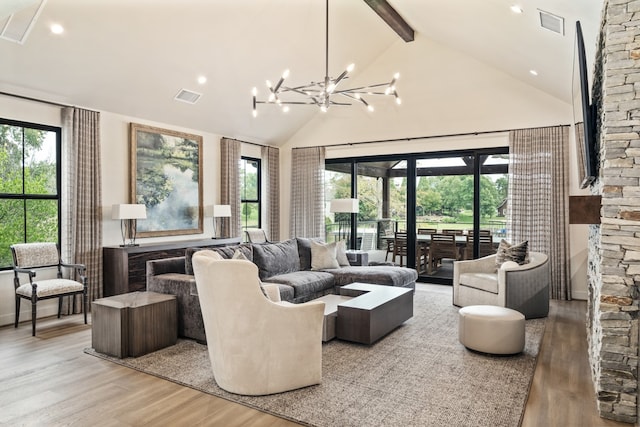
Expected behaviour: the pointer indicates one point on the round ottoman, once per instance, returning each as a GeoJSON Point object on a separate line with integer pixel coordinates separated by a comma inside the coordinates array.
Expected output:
{"type": "Point", "coordinates": [491, 329]}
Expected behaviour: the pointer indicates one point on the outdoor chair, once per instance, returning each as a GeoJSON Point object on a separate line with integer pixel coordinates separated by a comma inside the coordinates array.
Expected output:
{"type": "Point", "coordinates": [442, 246]}
{"type": "Point", "coordinates": [30, 257]}
{"type": "Point", "coordinates": [485, 246]}
{"type": "Point", "coordinates": [400, 250]}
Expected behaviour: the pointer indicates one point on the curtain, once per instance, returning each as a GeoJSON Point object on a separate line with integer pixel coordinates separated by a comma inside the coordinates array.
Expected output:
{"type": "Point", "coordinates": [271, 198]}
{"type": "Point", "coordinates": [230, 185]}
{"type": "Point", "coordinates": [307, 192]}
{"type": "Point", "coordinates": [539, 198]}
{"type": "Point", "coordinates": [82, 197]}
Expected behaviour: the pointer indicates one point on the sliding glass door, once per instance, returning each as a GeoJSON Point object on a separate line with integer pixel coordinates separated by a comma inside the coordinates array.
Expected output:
{"type": "Point", "coordinates": [423, 211]}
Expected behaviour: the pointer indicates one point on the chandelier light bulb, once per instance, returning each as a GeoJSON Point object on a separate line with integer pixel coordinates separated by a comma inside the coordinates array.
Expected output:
{"type": "Point", "coordinates": [272, 97]}
{"type": "Point", "coordinates": [351, 67]}
{"type": "Point", "coordinates": [387, 91]}
{"type": "Point", "coordinates": [356, 95]}
{"type": "Point", "coordinates": [269, 85]}
{"type": "Point", "coordinates": [285, 108]}
{"type": "Point", "coordinates": [323, 108]}
{"type": "Point", "coordinates": [254, 91]}
{"type": "Point", "coordinates": [255, 113]}
{"type": "Point", "coordinates": [285, 74]}
{"type": "Point", "coordinates": [370, 108]}
{"type": "Point", "coordinates": [396, 76]}
{"type": "Point", "coordinates": [398, 100]}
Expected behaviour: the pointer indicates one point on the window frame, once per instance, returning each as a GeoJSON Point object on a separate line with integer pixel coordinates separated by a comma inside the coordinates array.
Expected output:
{"type": "Point", "coordinates": [25, 197]}
{"type": "Point", "coordinates": [258, 200]}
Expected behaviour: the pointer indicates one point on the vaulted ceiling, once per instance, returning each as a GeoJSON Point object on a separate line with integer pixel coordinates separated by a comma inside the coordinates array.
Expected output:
{"type": "Point", "coordinates": [132, 57]}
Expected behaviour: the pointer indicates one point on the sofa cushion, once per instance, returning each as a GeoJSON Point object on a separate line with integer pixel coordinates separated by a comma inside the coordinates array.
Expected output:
{"type": "Point", "coordinates": [487, 282]}
{"type": "Point", "coordinates": [304, 251]}
{"type": "Point", "coordinates": [305, 282]}
{"type": "Point", "coordinates": [377, 275]}
{"type": "Point", "coordinates": [225, 252]}
{"type": "Point", "coordinates": [276, 258]}
{"type": "Point", "coordinates": [323, 256]}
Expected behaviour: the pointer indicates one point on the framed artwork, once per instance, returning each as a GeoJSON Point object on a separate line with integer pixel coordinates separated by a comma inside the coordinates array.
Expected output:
{"type": "Point", "coordinates": [166, 177]}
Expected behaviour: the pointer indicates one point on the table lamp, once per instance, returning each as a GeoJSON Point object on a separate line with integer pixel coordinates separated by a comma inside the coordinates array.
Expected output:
{"type": "Point", "coordinates": [128, 214]}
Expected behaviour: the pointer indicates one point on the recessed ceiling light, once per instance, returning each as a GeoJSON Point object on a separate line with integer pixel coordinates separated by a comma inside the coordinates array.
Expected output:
{"type": "Point", "coordinates": [516, 9]}
{"type": "Point", "coordinates": [533, 72]}
{"type": "Point", "coordinates": [57, 29]}
{"type": "Point", "coordinates": [202, 80]}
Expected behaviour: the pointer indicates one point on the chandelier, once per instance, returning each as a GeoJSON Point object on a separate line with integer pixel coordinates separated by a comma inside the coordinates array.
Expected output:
{"type": "Point", "coordinates": [324, 93]}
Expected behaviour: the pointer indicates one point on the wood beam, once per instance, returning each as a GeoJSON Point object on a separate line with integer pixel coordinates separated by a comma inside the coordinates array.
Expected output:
{"type": "Point", "coordinates": [392, 18]}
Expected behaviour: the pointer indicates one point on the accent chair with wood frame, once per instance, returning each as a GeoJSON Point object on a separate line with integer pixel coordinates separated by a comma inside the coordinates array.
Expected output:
{"type": "Point", "coordinates": [30, 257]}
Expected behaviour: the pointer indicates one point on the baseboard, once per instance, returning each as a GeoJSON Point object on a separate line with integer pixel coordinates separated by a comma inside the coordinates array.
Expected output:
{"type": "Point", "coordinates": [45, 309]}
{"type": "Point", "coordinates": [581, 295]}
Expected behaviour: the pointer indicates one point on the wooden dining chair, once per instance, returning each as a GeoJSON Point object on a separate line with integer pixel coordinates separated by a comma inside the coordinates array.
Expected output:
{"type": "Point", "coordinates": [442, 246]}
{"type": "Point", "coordinates": [400, 249]}
{"type": "Point", "coordinates": [452, 231]}
{"type": "Point", "coordinates": [486, 246]}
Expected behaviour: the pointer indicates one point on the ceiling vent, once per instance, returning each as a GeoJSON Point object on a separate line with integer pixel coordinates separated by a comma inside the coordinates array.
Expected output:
{"type": "Point", "coordinates": [552, 22]}
{"type": "Point", "coordinates": [187, 96]}
{"type": "Point", "coordinates": [17, 17]}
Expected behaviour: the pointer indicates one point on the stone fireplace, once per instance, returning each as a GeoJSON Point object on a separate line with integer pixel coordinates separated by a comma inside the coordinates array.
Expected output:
{"type": "Point", "coordinates": [614, 256]}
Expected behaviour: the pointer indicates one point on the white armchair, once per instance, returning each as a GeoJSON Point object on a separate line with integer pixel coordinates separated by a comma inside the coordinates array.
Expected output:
{"type": "Point", "coordinates": [524, 288]}
{"type": "Point", "coordinates": [256, 346]}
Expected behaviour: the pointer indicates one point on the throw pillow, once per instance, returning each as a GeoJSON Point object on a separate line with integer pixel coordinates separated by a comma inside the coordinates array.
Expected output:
{"type": "Point", "coordinates": [239, 255]}
{"type": "Point", "coordinates": [341, 253]}
{"type": "Point", "coordinates": [507, 252]}
{"type": "Point", "coordinates": [274, 259]}
{"type": "Point", "coordinates": [323, 256]}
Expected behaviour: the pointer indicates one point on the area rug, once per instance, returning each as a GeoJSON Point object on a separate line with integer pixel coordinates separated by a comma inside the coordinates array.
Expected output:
{"type": "Point", "coordinates": [419, 375]}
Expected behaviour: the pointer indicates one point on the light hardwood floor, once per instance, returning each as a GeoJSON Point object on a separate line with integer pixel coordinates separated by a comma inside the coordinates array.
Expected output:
{"type": "Point", "coordinates": [48, 380]}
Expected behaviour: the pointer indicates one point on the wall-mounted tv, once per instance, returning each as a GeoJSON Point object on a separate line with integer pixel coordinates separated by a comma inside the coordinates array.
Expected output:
{"type": "Point", "coordinates": [584, 116]}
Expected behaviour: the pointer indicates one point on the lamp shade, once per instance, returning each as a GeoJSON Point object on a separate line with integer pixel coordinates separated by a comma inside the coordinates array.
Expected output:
{"type": "Point", "coordinates": [344, 205]}
{"type": "Point", "coordinates": [220, 211]}
{"type": "Point", "coordinates": [129, 211]}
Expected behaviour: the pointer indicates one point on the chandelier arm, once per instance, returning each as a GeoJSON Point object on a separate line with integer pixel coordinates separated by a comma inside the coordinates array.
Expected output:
{"type": "Point", "coordinates": [319, 93]}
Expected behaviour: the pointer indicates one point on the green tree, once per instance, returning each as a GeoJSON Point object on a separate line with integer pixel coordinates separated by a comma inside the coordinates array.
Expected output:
{"type": "Point", "coordinates": [21, 154]}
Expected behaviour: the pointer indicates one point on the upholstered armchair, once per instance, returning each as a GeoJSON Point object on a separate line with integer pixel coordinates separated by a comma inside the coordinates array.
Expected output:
{"type": "Point", "coordinates": [256, 346]}
{"type": "Point", "coordinates": [28, 258]}
{"type": "Point", "coordinates": [524, 288]}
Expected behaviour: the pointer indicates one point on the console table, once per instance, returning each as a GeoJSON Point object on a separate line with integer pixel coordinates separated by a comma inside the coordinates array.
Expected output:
{"type": "Point", "coordinates": [125, 268]}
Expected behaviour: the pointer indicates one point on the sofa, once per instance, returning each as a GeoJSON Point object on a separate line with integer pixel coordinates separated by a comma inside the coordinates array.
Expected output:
{"type": "Point", "coordinates": [524, 288]}
{"type": "Point", "coordinates": [288, 264]}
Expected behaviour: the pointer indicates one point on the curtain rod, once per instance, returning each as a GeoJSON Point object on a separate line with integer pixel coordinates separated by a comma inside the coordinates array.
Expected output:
{"type": "Point", "coordinates": [412, 138]}
{"type": "Point", "coordinates": [252, 143]}
{"type": "Point", "coordinates": [42, 101]}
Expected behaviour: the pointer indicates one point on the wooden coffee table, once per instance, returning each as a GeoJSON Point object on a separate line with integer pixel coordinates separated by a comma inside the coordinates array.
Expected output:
{"type": "Point", "coordinates": [372, 312]}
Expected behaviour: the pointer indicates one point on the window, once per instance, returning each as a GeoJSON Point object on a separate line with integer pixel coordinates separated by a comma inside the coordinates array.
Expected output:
{"type": "Point", "coordinates": [250, 192]}
{"type": "Point", "coordinates": [29, 185]}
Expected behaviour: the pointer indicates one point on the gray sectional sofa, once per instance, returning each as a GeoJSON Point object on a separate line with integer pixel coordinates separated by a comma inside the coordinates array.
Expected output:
{"type": "Point", "coordinates": [286, 263]}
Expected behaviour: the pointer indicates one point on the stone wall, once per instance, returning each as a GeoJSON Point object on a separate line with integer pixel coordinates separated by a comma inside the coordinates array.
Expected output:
{"type": "Point", "coordinates": [614, 259]}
